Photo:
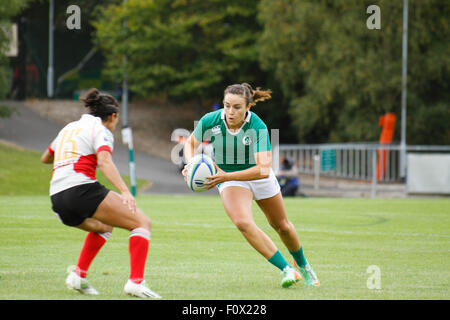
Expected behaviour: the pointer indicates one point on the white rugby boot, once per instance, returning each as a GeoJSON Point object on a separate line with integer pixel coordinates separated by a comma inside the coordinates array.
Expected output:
{"type": "Point", "coordinates": [75, 282]}
{"type": "Point", "coordinates": [139, 290]}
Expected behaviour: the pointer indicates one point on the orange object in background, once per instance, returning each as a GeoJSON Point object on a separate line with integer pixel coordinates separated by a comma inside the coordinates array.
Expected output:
{"type": "Point", "coordinates": [387, 122]}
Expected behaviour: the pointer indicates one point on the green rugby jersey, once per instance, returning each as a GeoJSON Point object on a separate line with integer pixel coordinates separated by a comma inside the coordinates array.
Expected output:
{"type": "Point", "coordinates": [233, 151]}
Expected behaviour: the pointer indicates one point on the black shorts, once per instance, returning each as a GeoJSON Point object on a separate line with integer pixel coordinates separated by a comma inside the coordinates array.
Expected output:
{"type": "Point", "coordinates": [75, 204]}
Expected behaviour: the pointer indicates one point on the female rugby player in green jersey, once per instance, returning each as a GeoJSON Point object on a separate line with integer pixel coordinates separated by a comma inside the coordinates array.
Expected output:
{"type": "Point", "coordinates": [243, 157]}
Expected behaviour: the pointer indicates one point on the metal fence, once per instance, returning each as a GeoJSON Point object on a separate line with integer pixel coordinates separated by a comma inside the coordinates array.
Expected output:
{"type": "Point", "coordinates": [359, 161]}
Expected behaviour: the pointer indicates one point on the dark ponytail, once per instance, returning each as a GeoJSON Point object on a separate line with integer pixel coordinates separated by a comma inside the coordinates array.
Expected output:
{"type": "Point", "coordinates": [252, 96]}
{"type": "Point", "coordinates": [100, 105]}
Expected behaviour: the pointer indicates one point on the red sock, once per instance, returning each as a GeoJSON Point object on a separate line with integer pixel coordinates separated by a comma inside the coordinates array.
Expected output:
{"type": "Point", "coordinates": [138, 248]}
{"type": "Point", "coordinates": [92, 245]}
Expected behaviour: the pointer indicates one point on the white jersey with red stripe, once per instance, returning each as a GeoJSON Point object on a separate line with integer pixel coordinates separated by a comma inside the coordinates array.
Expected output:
{"type": "Point", "coordinates": [75, 152]}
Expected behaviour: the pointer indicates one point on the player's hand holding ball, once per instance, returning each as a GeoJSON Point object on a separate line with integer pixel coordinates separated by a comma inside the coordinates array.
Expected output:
{"type": "Point", "coordinates": [219, 177]}
{"type": "Point", "coordinates": [184, 172]}
{"type": "Point", "coordinates": [201, 173]}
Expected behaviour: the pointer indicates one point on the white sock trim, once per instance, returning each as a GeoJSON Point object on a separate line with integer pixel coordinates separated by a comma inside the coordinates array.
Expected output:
{"type": "Point", "coordinates": [105, 235]}
{"type": "Point", "coordinates": [140, 232]}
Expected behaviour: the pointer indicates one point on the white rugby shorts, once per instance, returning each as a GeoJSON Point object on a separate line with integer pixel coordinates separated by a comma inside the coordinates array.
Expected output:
{"type": "Point", "coordinates": [261, 188]}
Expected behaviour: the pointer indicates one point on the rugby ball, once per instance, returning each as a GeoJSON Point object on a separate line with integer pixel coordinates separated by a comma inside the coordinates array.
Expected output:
{"type": "Point", "coordinates": [199, 168]}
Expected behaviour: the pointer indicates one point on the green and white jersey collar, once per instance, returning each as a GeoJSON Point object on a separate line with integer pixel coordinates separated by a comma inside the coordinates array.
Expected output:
{"type": "Point", "coordinates": [247, 119]}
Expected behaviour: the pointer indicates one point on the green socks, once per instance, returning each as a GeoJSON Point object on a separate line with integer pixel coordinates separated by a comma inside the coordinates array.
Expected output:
{"type": "Point", "coordinates": [278, 260]}
{"type": "Point", "coordinates": [299, 257]}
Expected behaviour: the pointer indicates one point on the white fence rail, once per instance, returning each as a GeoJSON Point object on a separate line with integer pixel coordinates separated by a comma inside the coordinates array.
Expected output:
{"type": "Point", "coordinates": [358, 161]}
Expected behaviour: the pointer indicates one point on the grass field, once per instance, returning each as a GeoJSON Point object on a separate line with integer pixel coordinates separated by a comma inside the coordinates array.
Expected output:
{"type": "Point", "coordinates": [197, 254]}
{"type": "Point", "coordinates": [21, 172]}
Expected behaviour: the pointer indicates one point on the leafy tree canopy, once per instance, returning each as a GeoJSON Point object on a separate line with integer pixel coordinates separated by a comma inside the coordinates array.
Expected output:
{"type": "Point", "coordinates": [339, 77]}
{"type": "Point", "coordinates": [184, 49]}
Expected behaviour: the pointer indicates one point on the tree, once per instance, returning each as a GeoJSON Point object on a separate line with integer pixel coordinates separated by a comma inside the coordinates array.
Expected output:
{"type": "Point", "coordinates": [181, 50]}
{"type": "Point", "coordinates": [339, 76]}
{"type": "Point", "coordinates": [8, 9]}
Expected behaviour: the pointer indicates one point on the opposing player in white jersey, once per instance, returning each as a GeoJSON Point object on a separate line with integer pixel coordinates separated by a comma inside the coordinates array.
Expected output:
{"type": "Point", "coordinates": [80, 201]}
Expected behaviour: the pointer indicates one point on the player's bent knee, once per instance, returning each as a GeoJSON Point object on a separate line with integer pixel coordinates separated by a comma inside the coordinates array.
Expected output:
{"type": "Point", "coordinates": [94, 225]}
{"type": "Point", "coordinates": [283, 227]}
{"type": "Point", "coordinates": [147, 223]}
{"type": "Point", "coordinates": [144, 221]}
{"type": "Point", "coordinates": [104, 228]}
{"type": "Point", "coordinates": [244, 224]}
